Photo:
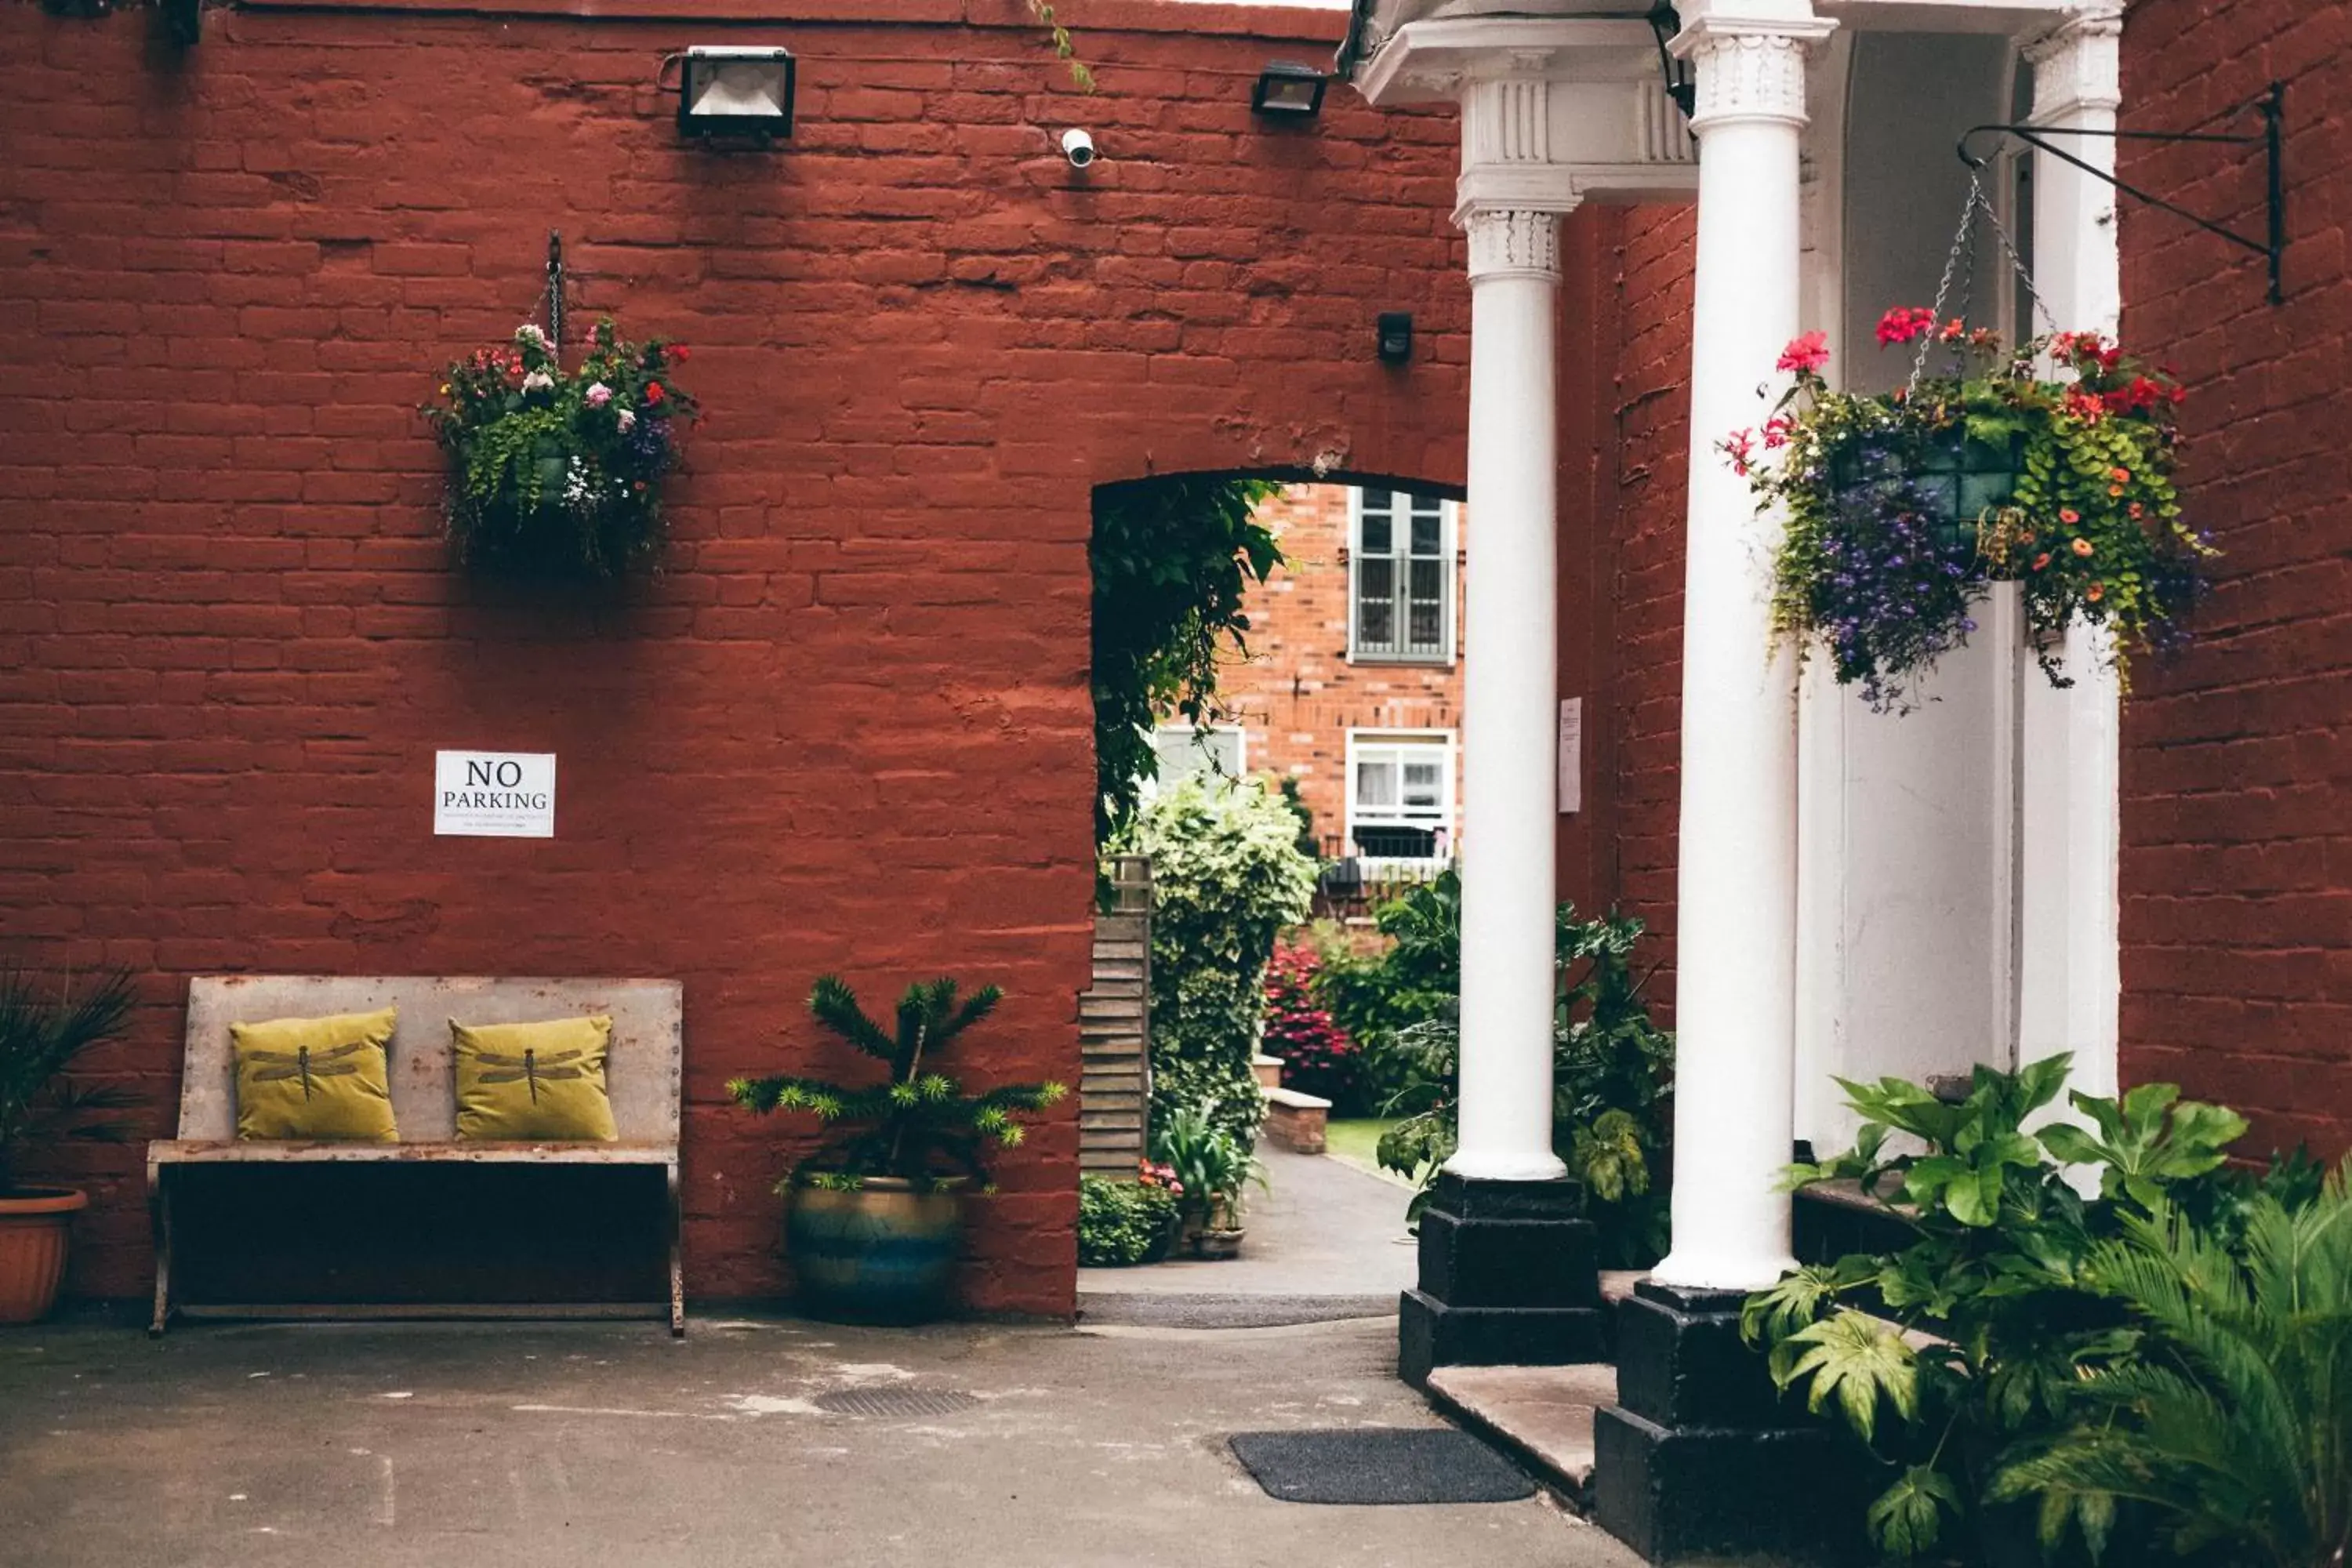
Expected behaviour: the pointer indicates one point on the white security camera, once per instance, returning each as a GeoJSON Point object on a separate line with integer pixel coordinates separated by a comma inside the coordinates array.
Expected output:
{"type": "Point", "coordinates": [1079, 148]}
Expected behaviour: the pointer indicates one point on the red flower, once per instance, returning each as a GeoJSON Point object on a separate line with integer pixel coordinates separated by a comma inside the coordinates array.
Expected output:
{"type": "Point", "coordinates": [679, 353]}
{"type": "Point", "coordinates": [1954, 331]}
{"type": "Point", "coordinates": [2040, 560]}
{"type": "Point", "coordinates": [1806, 354]}
{"type": "Point", "coordinates": [654, 393]}
{"type": "Point", "coordinates": [1776, 431]}
{"type": "Point", "coordinates": [2087, 407]}
{"type": "Point", "coordinates": [1905, 324]}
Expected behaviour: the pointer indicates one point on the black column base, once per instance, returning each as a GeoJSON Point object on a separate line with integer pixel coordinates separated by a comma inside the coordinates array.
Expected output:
{"type": "Point", "coordinates": [1508, 1276]}
{"type": "Point", "coordinates": [1701, 1457]}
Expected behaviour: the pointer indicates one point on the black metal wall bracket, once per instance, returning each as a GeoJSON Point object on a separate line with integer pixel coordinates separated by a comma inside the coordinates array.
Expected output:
{"type": "Point", "coordinates": [2271, 106]}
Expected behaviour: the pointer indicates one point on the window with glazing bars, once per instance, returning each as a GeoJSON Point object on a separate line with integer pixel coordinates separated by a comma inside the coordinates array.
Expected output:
{"type": "Point", "coordinates": [1401, 577]}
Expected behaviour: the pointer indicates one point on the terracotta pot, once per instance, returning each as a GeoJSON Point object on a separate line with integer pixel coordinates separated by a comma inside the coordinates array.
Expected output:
{"type": "Point", "coordinates": [883, 1253]}
{"type": "Point", "coordinates": [34, 1225]}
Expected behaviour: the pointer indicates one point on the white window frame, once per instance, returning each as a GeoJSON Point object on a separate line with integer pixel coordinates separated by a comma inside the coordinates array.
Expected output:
{"type": "Point", "coordinates": [1448, 554]}
{"type": "Point", "coordinates": [1240, 732]}
{"type": "Point", "coordinates": [1442, 742]}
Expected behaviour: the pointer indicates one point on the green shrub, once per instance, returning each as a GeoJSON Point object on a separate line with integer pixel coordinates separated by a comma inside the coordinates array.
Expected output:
{"type": "Point", "coordinates": [1612, 1068]}
{"type": "Point", "coordinates": [1227, 879]}
{"type": "Point", "coordinates": [2234, 1424]}
{"type": "Point", "coordinates": [1123, 1223]}
{"type": "Point", "coordinates": [1992, 1333]}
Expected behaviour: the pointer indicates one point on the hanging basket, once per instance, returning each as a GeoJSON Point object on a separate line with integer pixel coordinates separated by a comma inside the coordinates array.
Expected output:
{"type": "Point", "coordinates": [1957, 481]}
{"type": "Point", "coordinates": [2050, 465]}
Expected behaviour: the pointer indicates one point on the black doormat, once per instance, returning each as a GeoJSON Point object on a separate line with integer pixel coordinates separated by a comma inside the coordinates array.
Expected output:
{"type": "Point", "coordinates": [1380, 1465]}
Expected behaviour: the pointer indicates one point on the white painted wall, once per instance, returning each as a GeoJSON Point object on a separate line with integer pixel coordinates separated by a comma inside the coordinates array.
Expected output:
{"type": "Point", "coordinates": [1907, 823]}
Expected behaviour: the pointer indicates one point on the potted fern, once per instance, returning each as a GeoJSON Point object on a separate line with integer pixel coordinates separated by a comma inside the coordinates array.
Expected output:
{"type": "Point", "coordinates": [39, 1040]}
{"type": "Point", "coordinates": [874, 1218]}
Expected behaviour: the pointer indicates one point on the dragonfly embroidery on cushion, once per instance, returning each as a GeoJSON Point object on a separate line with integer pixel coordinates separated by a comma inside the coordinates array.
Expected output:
{"type": "Point", "coordinates": [530, 1067]}
{"type": "Point", "coordinates": [303, 1063]}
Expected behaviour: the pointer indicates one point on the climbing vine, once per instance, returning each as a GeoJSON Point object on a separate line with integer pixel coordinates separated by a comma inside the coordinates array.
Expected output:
{"type": "Point", "coordinates": [1172, 560]}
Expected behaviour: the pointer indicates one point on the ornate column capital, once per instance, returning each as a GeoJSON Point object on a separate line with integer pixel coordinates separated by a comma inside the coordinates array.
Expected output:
{"type": "Point", "coordinates": [1750, 69]}
{"type": "Point", "coordinates": [2078, 64]}
{"type": "Point", "coordinates": [1512, 242]}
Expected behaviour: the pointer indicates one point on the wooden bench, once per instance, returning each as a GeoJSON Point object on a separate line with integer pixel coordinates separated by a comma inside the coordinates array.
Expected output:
{"type": "Point", "coordinates": [642, 1074]}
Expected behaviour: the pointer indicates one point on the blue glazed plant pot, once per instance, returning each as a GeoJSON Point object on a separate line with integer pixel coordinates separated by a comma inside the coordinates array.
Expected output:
{"type": "Point", "coordinates": [882, 1253]}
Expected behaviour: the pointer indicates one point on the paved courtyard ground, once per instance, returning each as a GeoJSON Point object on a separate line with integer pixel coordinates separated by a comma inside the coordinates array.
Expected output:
{"type": "Point", "coordinates": [446, 1446]}
{"type": "Point", "coordinates": [1326, 1241]}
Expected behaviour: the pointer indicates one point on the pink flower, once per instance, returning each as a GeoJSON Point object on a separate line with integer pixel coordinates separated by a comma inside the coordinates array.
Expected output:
{"type": "Point", "coordinates": [1807, 355]}
{"type": "Point", "coordinates": [627, 421]}
{"type": "Point", "coordinates": [598, 394]}
{"type": "Point", "coordinates": [1741, 448]}
{"type": "Point", "coordinates": [1776, 432]}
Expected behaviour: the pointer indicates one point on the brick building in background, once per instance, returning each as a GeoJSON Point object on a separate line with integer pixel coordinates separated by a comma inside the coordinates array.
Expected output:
{"type": "Point", "coordinates": [1352, 688]}
{"type": "Point", "coordinates": [847, 726]}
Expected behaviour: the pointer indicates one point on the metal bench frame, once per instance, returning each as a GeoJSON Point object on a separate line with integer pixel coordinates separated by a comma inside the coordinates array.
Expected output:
{"type": "Point", "coordinates": [643, 1074]}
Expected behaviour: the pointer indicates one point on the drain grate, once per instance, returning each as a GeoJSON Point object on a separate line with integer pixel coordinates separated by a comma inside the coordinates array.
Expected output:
{"type": "Point", "coordinates": [895, 1402]}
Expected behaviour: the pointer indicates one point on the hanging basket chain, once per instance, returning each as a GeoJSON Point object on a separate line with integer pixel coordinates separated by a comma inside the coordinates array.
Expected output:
{"type": "Point", "coordinates": [1961, 264]}
{"type": "Point", "coordinates": [555, 294]}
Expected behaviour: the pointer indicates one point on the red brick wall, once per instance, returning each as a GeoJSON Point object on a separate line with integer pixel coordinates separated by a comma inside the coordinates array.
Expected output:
{"type": "Point", "coordinates": [1297, 695]}
{"type": "Point", "coordinates": [847, 727]}
{"type": "Point", "coordinates": [1622, 559]}
{"type": "Point", "coordinates": [2237, 809]}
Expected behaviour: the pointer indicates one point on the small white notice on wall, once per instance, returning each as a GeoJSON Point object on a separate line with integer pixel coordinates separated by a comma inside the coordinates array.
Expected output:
{"type": "Point", "coordinates": [1571, 755]}
{"type": "Point", "coordinates": [494, 794]}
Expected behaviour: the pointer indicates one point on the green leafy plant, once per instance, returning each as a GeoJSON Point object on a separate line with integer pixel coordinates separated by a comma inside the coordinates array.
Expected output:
{"type": "Point", "coordinates": [1121, 1224]}
{"type": "Point", "coordinates": [1412, 979]}
{"type": "Point", "coordinates": [1227, 879]}
{"type": "Point", "coordinates": [918, 1124]}
{"type": "Point", "coordinates": [1903, 509]}
{"type": "Point", "coordinates": [1082, 76]}
{"type": "Point", "coordinates": [1174, 559]}
{"type": "Point", "coordinates": [2235, 1423]}
{"type": "Point", "coordinates": [556, 472]}
{"type": "Point", "coordinates": [1982, 1336]}
{"type": "Point", "coordinates": [1210, 1165]}
{"type": "Point", "coordinates": [1612, 1068]}
{"type": "Point", "coordinates": [39, 1040]}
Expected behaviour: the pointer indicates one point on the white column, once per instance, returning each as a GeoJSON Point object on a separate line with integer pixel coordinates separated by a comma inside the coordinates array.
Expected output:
{"type": "Point", "coordinates": [1735, 901]}
{"type": "Point", "coordinates": [2068, 977]}
{"type": "Point", "coordinates": [1509, 700]}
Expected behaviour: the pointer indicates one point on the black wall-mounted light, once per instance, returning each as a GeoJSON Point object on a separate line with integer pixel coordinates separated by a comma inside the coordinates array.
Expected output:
{"type": "Point", "coordinates": [1395, 331]}
{"type": "Point", "coordinates": [733, 90]}
{"type": "Point", "coordinates": [1288, 91]}
{"type": "Point", "coordinates": [1681, 85]}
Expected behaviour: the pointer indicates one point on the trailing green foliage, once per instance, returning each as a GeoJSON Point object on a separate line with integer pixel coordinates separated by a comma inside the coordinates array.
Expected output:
{"type": "Point", "coordinates": [1227, 879]}
{"type": "Point", "coordinates": [1612, 1068]}
{"type": "Point", "coordinates": [39, 1040]}
{"type": "Point", "coordinates": [2000, 1294]}
{"type": "Point", "coordinates": [556, 472]}
{"type": "Point", "coordinates": [918, 1124]}
{"type": "Point", "coordinates": [2235, 1423]}
{"type": "Point", "coordinates": [1172, 560]}
{"type": "Point", "coordinates": [1121, 1224]}
{"type": "Point", "coordinates": [1082, 76]}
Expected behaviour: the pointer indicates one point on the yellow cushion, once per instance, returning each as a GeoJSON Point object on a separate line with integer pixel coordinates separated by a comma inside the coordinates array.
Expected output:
{"type": "Point", "coordinates": [315, 1078]}
{"type": "Point", "coordinates": [524, 1082]}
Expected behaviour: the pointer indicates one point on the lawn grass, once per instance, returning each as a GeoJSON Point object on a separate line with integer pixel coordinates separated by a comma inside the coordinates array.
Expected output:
{"type": "Point", "coordinates": [1352, 1142]}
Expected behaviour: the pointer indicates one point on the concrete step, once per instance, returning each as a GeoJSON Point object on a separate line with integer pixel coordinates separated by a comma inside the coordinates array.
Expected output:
{"type": "Point", "coordinates": [1541, 1415]}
